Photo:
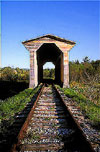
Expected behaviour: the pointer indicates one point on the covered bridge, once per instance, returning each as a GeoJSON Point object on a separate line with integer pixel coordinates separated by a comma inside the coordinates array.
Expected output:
{"type": "Point", "coordinates": [49, 48]}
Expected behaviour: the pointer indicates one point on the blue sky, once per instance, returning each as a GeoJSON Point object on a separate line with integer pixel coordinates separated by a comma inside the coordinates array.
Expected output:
{"type": "Point", "coordinates": [73, 20]}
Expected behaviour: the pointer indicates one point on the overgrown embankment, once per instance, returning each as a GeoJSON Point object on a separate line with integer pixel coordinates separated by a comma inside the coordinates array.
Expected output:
{"type": "Point", "coordinates": [90, 109]}
{"type": "Point", "coordinates": [90, 90]}
{"type": "Point", "coordinates": [10, 107]}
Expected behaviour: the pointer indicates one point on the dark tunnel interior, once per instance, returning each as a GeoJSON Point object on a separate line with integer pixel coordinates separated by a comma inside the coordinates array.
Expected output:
{"type": "Point", "coordinates": [49, 52]}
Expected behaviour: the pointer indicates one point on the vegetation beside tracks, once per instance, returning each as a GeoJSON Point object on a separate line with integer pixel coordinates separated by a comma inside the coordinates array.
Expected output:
{"type": "Point", "coordinates": [88, 107]}
{"type": "Point", "coordinates": [85, 87]}
{"type": "Point", "coordinates": [12, 81]}
{"type": "Point", "coordinates": [10, 107]}
{"type": "Point", "coordinates": [90, 90]}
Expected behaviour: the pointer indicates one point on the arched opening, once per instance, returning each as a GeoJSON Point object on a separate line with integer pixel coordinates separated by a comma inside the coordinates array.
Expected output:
{"type": "Point", "coordinates": [49, 72]}
{"type": "Point", "coordinates": [49, 52]}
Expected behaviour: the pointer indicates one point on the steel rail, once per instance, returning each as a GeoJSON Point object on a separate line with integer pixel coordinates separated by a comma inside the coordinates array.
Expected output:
{"type": "Point", "coordinates": [74, 121]}
{"type": "Point", "coordinates": [23, 129]}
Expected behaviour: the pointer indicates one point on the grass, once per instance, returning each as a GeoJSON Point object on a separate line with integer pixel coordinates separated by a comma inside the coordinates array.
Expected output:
{"type": "Point", "coordinates": [33, 135]}
{"type": "Point", "coordinates": [91, 110]}
{"type": "Point", "coordinates": [47, 118]}
{"type": "Point", "coordinates": [90, 90]}
{"type": "Point", "coordinates": [13, 105]}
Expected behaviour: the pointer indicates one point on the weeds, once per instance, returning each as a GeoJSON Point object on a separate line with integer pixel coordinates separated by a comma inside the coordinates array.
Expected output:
{"type": "Point", "coordinates": [12, 106]}
{"type": "Point", "coordinates": [91, 91]}
{"type": "Point", "coordinates": [91, 110]}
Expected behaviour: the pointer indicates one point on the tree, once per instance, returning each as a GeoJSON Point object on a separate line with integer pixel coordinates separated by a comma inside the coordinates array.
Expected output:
{"type": "Point", "coordinates": [86, 59]}
{"type": "Point", "coordinates": [77, 62]}
{"type": "Point", "coordinates": [11, 74]}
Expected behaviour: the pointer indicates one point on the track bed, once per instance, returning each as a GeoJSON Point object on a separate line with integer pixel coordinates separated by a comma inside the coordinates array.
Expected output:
{"type": "Point", "coordinates": [51, 128]}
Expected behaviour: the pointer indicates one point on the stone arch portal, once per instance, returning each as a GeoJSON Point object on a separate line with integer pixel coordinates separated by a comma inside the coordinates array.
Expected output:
{"type": "Point", "coordinates": [49, 48]}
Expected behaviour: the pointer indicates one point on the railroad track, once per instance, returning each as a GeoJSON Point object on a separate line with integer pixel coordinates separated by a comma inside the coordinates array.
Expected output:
{"type": "Point", "coordinates": [50, 127]}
